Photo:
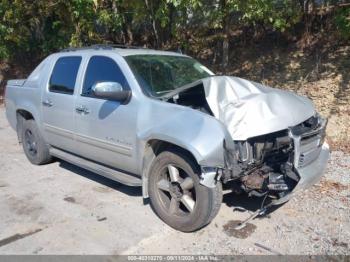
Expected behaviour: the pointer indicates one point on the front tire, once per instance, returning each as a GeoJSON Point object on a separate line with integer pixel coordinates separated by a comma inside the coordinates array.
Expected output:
{"type": "Point", "coordinates": [176, 195]}
{"type": "Point", "coordinates": [34, 146]}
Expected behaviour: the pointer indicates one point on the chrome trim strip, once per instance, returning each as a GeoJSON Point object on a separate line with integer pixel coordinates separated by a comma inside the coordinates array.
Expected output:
{"type": "Point", "coordinates": [121, 149]}
{"type": "Point", "coordinates": [59, 131]}
{"type": "Point", "coordinates": [296, 142]}
{"type": "Point", "coordinates": [117, 148]}
{"type": "Point", "coordinates": [307, 151]}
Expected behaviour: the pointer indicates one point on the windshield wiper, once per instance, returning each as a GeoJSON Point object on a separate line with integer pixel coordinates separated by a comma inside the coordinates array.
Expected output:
{"type": "Point", "coordinates": [165, 91]}
{"type": "Point", "coordinates": [180, 89]}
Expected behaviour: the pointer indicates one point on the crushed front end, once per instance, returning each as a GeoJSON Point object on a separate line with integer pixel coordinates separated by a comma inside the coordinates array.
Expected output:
{"type": "Point", "coordinates": [279, 164]}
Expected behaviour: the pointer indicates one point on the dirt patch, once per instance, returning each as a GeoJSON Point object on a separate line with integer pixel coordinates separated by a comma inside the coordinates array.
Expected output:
{"type": "Point", "coordinates": [338, 145]}
{"type": "Point", "coordinates": [229, 229]}
{"type": "Point", "coordinates": [69, 199]}
{"type": "Point", "coordinates": [25, 207]}
{"type": "Point", "coordinates": [326, 185]}
{"type": "Point", "coordinates": [337, 243]}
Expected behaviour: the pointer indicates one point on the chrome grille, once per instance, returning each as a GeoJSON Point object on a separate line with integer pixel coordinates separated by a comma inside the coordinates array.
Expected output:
{"type": "Point", "coordinates": [307, 144]}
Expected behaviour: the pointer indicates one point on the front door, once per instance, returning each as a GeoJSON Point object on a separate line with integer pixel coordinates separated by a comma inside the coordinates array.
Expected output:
{"type": "Point", "coordinates": [105, 130]}
{"type": "Point", "coordinates": [58, 103]}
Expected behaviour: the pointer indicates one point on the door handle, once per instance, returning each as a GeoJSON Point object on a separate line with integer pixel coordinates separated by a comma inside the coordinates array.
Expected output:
{"type": "Point", "coordinates": [47, 103]}
{"type": "Point", "coordinates": [82, 110]}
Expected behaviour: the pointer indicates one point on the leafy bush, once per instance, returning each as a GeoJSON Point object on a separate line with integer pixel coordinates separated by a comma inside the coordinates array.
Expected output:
{"type": "Point", "coordinates": [342, 21]}
{"type": "Point", "coordinates": [32, 29]}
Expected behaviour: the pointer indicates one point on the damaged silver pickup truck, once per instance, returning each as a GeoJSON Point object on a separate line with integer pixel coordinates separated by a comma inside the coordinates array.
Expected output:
{"type": "Point", "coordinates": [163, 121]}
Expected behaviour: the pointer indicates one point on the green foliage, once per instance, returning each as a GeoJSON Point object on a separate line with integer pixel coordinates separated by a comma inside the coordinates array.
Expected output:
{"type": "Point", "coordinates": [342, 20]}
{"type": "Point", "coordinates": [32, 29]}
{"type": "Point", "coordinates": [279, 14]}
{"type": "Point", "coordinates": [83, 16]}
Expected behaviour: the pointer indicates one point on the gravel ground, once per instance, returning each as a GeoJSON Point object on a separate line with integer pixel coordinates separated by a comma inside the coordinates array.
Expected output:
{"type": "Point", "coordinates": [63, 209]}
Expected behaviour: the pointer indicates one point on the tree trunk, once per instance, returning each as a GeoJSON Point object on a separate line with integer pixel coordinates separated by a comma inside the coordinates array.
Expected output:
{"type": "Point", "coordinates": [169, 33]}
{"type": "Point", "coordinates": [308, 9]}
{"type": "Point", "coordinates": [126, 32]}
{"type": "Point", "coordinates": [153, 21]}
{"type": "Point", "coordinates": [225, 41]}
{"type": "Point", "coordinates": [225, 53]}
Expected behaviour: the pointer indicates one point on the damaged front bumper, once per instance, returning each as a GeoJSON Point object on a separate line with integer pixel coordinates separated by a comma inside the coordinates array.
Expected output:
{"type": "Point", "coordinates": [311, 155]}
{"type": "Point", "coordinates": [307, 163]}
{"type": "Point", "coordinates": [309, 174]}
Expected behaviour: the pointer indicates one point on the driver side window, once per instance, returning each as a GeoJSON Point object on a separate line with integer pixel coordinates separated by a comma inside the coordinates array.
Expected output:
{"type": "Point", "coordinates": [102, 69]}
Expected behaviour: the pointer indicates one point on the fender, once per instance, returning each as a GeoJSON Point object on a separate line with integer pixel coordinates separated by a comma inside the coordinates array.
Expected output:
{"type": "Point", "coordinates": [31, 106]}
{"type": "Point", "coordinates": [15, 100]}
{"type": "Point", "coordinates": [199, 133]}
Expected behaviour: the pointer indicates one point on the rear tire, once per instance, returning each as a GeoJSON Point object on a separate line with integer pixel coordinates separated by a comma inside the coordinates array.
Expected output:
{"type": "Point", "coordinates": [34, 146]}
{"type": "Point", "coordinates": [176, 195]}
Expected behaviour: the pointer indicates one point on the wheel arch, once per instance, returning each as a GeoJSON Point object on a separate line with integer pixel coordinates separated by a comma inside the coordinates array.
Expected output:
{"type": "Point", "coordinates": [153, 148]}
{"type": "Point", "coordinates": [21, 116]}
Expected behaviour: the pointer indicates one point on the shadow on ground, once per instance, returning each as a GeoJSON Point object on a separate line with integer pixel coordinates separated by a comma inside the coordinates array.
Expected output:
{"type": "Point", "coordinates": [231, 199]}
{"type": "Point", "coordinates": [131, 191]}
{"type": "Point", "coordinates": [251, 204]}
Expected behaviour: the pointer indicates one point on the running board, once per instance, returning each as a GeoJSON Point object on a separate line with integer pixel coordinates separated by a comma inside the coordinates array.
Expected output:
{"type": "Point", "coordinates": [99, 169]}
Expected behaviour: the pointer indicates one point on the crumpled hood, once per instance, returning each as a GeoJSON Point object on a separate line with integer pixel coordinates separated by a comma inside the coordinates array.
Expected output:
{"type": "Point", "coordinates": [250, 109]}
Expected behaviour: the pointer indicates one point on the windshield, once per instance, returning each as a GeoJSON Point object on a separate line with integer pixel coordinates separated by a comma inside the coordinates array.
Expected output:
{"type": "Point", "coordinates": [160, 74]}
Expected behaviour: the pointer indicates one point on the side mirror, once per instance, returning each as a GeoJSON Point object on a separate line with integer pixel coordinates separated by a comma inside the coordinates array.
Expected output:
{"type": "Point", "coordinates": [111, 91]}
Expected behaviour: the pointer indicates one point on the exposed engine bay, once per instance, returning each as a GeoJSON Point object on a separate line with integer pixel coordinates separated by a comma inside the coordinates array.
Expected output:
{"type": "Point", "coordinates": [261, 164]}
{"type": "Point", "coordinates": [194, 98]}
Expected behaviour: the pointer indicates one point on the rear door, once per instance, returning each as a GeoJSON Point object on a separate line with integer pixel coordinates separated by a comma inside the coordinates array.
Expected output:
{"type": "Point", "coordinates": [58, 103]}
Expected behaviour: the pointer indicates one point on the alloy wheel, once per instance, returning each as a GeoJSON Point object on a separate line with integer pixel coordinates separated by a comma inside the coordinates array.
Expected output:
{"type": "Point", "coordinates": [30, 142]}
{"type": "Point", "coordinates": [176, 191]}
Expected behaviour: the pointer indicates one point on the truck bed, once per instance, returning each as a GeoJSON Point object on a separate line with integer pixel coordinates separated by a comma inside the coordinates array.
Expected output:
{"type": "Point", "coordinates": [16, 82]}
{"type": "Point", "coordinates": [20, 96]}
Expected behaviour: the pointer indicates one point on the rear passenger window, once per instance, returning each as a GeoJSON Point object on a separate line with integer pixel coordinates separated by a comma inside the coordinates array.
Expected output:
{"type": "Point", "coordinates": [64, 75]}
{"type": "Point", "coordinates": [102, 69]}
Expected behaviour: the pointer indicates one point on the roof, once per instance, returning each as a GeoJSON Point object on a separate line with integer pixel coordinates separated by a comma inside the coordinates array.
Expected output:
{"type": "Point", "coordinates": [121, 50]}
